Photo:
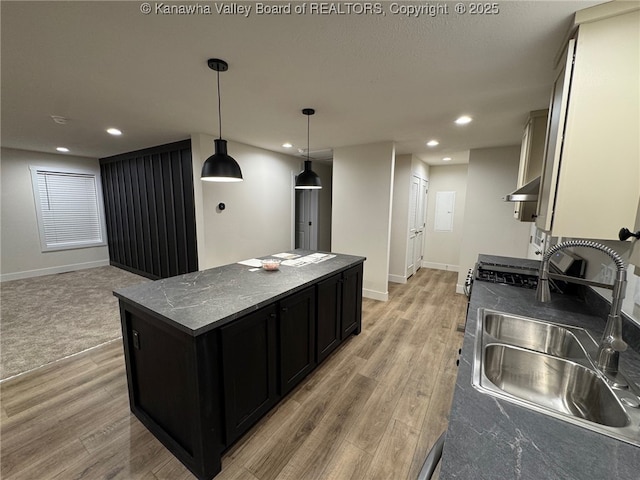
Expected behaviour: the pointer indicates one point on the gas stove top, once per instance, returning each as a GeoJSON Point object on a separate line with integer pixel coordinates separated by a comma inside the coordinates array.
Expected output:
{"type": "Point", "coordinates": [524, 277]}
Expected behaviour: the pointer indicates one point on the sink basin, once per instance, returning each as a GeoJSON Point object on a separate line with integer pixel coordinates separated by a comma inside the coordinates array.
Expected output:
{"type": "Point", "coordinates": [549, 368]}
{"type": "Point", "coordinates": [553, 383]}
{"type": "Point", "coordinates": [534, 335]}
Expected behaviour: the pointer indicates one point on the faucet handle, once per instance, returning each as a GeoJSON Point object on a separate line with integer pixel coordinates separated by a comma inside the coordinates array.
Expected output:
{"type": "Point", "coordinates": [608, 359]}
{"type": "Point", "coordinates": [618, 345]}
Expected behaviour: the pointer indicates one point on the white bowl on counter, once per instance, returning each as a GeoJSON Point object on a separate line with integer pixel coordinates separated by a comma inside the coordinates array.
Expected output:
{"type": "Point", "coordinates": [271, 264]}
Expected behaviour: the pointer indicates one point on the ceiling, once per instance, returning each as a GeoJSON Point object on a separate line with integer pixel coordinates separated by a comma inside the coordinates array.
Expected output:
{"type": "Point", "coordinates": [371, 78]}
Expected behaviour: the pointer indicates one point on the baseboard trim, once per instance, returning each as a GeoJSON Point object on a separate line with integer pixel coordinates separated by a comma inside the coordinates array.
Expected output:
{"type": "Point", "coordinates": [441, 266]}
{"type": "Point", "coordinates": [460, 289]}
{"type": "Point", "coordinates": [373, 295]}
{"type": "Point", "coordinates": [5, 277]}
{"type": "Point", "coordinates": [397, 278]}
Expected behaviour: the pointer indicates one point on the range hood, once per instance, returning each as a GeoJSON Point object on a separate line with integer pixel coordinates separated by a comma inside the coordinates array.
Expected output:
{"type": "Point", "coordinates": [526, 193]}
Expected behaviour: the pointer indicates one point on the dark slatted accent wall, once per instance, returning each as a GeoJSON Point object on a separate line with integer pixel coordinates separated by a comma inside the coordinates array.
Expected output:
{"type": "Point", "coordinates": [150, 211]}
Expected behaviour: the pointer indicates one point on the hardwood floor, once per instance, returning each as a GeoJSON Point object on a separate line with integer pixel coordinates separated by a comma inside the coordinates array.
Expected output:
{"type": "Point", "coordinates": [371, 411]}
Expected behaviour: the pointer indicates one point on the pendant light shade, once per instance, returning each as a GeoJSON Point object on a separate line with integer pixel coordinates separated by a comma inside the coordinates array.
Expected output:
{"type": "Point", "coordinates": [308, 179]}
{"type": "Point", "coordinates": [220, 167]}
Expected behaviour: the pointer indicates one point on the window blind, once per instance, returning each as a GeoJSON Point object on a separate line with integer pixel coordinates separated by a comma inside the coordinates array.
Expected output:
{"type": "Point", "coordinates": [69, 214]}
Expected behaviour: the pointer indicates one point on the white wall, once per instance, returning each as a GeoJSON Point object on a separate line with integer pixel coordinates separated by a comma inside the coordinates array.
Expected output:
{"type": "Point", "coordinates": [489, 226]}
{"type": "Point", "coordinates": [361, 217]}
{"type": "Point", "coordinates": [400, 219]}
{"type": "Point", "coordinates": [406, 166]}
{"type": "Point", "coordinates": [21, 255]}
{"type": "Point", "coordinates": [258, 217]}
{"type": "Point", "coordinates": [442, 249]}
{"type": "Point", "coordinates": [419, 168]}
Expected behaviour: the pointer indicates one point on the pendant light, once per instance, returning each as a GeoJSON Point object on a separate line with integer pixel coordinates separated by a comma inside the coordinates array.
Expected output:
{"type": "Point", "coordinates": [220, 167]}
{"type": "Point", "coordinates": [308, 179]}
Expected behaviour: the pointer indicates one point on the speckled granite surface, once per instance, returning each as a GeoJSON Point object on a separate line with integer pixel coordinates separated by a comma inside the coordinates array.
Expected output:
{"type": "Point", "coordinates": [200, 301]}
{"type": "Point", "coordinates": [490, 438]}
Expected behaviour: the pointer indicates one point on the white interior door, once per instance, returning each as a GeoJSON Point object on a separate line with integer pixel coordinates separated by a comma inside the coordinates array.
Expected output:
{"type": "Point", "coordinates": [414, 207]}
{"type": "Point", "coordinates": [307, 219]}
{"type": "Point", "coordinates": [421, 224]}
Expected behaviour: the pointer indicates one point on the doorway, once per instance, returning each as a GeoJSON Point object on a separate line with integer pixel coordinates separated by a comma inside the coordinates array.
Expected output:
{"type": "Point", "coordinates": [306, 219]}
{"type": "Point", "coordinates": [417, 222]}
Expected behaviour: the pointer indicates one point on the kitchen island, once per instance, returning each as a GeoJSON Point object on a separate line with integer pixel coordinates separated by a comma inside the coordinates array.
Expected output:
{"type": "Point", "coordinates": [491, 438]}
{"type": "Point", "coordinates": [209, 353]}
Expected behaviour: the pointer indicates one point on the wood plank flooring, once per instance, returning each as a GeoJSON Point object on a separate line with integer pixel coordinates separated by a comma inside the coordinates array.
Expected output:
{"type": "Point", "coordinates": [371, 411]}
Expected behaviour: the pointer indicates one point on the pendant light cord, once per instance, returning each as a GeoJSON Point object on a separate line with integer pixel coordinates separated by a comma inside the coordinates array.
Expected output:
{"type": "Point", "coordinates": [219, 106]}
{"type": "Point", "coordinates": [308, 135]}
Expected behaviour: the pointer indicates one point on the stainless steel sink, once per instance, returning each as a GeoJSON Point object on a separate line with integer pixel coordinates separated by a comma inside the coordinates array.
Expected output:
{"type": "Point", "coordinates": [553, 383]}
{"type": "Point", "coordinates": [534, 335]}
{"type": "Point", "coordinates": [549, 368]}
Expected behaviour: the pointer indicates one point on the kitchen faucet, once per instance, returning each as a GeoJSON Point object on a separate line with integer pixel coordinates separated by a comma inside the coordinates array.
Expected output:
{"type": "Point", "coordinates": [611, 343]}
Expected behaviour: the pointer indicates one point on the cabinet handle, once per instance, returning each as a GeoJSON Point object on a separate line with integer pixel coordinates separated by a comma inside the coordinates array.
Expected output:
{"type": "Point", "coordinates": [285, 309]}
{"type": "Point", "coordinates": [272, 315]}
{"type": "Point", "coordinates": [625, 233]}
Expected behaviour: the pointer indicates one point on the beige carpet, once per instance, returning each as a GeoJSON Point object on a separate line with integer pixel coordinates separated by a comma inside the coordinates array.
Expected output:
{"type": "Point", "coordinates": [44, 319]}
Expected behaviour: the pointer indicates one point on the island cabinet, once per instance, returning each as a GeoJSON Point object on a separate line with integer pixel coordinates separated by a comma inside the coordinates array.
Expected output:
{"type": "Point", "coordinates": [265, 355]}
{"type": "Point", "coordinates": [209, 353]}
{"type": "Point", "coordinates": [351, 305]}
{"type": "Point", "coordinates": [249, 349]}
{"type": "Point", "coordinates": [329, 316]}
{"type": "Point", "coordinates": [339, 310]}
{"type": "Point", "coordinates": [297, 327]}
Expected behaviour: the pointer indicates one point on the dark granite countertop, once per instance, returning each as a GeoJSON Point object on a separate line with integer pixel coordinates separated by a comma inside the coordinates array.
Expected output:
{"type": "Point", "coordinates": [491, 438]}
{"type": "Point", "coordinates": [200, 301]}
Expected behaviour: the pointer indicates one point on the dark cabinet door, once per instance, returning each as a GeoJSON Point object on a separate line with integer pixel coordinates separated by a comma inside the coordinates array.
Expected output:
{"type": "Point", "coordinates": [161, 384]}
{"type": "Point", "coordinates": [329, 310]}
{"type": "Point", "coordinates": [249, 370]}
{"type": "Point", "coordinates": [297, 338]}
{"type": "Point", "coordinates": [351, 301]}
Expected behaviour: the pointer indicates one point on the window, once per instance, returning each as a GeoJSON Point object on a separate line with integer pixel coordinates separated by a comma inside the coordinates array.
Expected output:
{"type": "Point", "coordinates": [68, 208]}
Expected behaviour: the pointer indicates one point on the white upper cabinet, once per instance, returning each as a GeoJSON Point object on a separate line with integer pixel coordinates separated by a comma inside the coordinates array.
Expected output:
{"type": "Point", "coordinates": [591, 174]}
{"type": "Point", "coordinates": [531, 156]}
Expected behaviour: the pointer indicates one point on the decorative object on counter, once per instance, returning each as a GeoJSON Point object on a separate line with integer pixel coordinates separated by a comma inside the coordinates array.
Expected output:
{"type": "Point", "coordinates": [625, 233]}
{"type": "Point", "coordinates": [271, 264]}
{"type": "Point", "coordinates": [220, 167]}
{"type": "Point", "coordinates": [611, 343]}
{"type": "Point", "coordinates": [308, 179]}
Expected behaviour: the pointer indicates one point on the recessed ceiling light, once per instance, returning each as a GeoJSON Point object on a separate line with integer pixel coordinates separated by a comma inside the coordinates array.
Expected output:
{"type": "Point", "coordinates": [433, 143]}
{"type": "Point", "coordinates": [446, 159]}
{"type": "Point", "coordinates": [287, 145]}
{"type": "Point", "coordinates": [62, 149]}
{"type": "Point", "coordinates": [463, 120]}
{"type": "Point", "coordinates": [114, 131]}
